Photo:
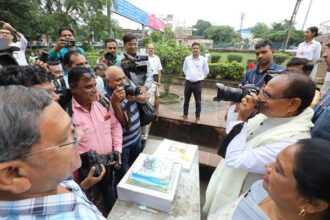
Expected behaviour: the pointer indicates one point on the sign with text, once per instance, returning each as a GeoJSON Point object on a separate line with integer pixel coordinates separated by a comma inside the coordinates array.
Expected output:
{"type": "Point", "coordinates": [130, 11]}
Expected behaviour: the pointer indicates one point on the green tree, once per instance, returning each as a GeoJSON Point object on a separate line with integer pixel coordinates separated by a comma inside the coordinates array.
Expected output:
{"type": "Point", "coordinates": [168, 34]}
{"type": "Point", "coordinates": [156, 36]}
{"type": "Point", "coordinates": [201, 26]}
{"type": "Point", "coordinates": [21, 14]}
{"type": "Point", "coordinates": [172, 56]}
{"type": "Point", "coordinates": [222, 34]}
{"type": "Point", "coordinates": [260, 30]}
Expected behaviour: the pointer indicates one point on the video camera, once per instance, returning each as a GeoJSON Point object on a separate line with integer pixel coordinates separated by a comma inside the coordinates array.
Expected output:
{"type": "Point", "coordinates": [227, 93]}
{"type": "Point", "coordinates": [135, 64]}
{"type": "Point", "coordinates": [91, 158]}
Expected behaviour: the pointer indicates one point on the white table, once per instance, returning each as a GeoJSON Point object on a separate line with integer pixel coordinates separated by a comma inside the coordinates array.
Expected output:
{"type": "Point", "coordinates": [186, 204]}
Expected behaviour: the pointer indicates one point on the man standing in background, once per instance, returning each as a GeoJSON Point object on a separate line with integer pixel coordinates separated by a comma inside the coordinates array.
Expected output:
{"type": "Point", "coordinates": [196, 69]}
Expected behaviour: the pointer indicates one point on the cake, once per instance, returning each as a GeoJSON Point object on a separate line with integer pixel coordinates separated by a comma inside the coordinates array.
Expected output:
{"type": "Point", "coordinates": [152, 172]}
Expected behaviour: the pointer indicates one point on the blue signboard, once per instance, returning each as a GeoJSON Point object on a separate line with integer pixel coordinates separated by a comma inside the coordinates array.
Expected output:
{"type": "Point", "coordinates": [126, 9]}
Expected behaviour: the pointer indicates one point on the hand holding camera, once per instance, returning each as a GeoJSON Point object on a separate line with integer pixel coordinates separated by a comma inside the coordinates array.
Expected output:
{"type": "Point", "coordinates": [62, 42]}
{"type": "Point", "coordinates": [91, 179]}
{"type": "Point", "coordinates": [118, 94]}
{"type": "Point", "coordinates": [247, 106]}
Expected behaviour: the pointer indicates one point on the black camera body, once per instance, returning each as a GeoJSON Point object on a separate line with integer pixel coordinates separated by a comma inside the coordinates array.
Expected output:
{"type": "Point", "coordinates": [131, 91]}
{"type": "Point", "coordinates": [60, 86]}
{"type": "Point", "coordinates": [135, 64]}
{"type": "Point", "coordinates": [43, 56]}
{"type": "Point", "coordinates": [110, 58]}
{"type": "Point", "coordinates": [91, 158]}
{"type": "Point", "coordinates": [70, 43]}
{"type": "Point", "coordinates": [227, 93]}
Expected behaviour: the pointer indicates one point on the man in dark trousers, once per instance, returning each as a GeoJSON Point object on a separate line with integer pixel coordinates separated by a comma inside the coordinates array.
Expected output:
{"type": "Point", "coordinates": [196, 69]}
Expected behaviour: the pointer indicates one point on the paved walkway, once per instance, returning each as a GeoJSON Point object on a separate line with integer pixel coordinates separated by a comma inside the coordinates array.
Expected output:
{"type": "Point", "coordinates": [212, 112]}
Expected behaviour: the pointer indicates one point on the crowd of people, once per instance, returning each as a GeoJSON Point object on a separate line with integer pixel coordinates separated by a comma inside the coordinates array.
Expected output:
{"type": "Point", "coordinates": [60, 117]}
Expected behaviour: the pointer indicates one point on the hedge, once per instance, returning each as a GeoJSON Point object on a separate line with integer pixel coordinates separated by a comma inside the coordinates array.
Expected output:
{"type": "Point", "coordinates": [230, 71]}
{"type": "Point", "coordinates": [234, 57]}
{"type": "Point", "coordinates": [280, 58]}
{"type": "Point", "coordinates": [215, 58]}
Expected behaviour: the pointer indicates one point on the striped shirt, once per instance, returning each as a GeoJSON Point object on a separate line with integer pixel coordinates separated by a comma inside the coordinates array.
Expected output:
{"type": "Point", "coordinates": [131, 108]}
{"type": "Point", "coordinates": [64, 206]}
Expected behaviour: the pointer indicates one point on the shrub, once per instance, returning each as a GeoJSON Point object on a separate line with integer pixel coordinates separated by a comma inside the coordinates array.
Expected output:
{"type": "Point", "coordinates": [172, 57]}
{"type": "Point", "coordinates": [234, 57]}
{"type": "Point", "coordinates": [280, 58]}
{"type": "Point", "coordinates": [230, 71]}
{"type": "Point", "coordinates": [215, 57]}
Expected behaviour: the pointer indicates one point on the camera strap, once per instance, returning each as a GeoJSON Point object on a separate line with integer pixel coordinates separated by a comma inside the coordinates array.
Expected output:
{"type": "Point", "coordinates": [234, 131]}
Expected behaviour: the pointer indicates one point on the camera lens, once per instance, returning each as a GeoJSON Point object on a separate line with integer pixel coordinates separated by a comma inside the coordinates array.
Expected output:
{"type": "Point", "coordinates": [227, 93]}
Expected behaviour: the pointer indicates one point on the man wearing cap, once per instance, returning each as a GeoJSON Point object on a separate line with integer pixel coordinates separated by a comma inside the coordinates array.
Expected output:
{"type": "Point", "coordinates": [7, 32]}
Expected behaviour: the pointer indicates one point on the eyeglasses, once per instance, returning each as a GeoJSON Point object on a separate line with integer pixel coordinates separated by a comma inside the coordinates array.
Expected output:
{"type": "Point", "coordinates": [269, 96]}
{"type": "Point", "coordinates": [112, 48]}
{"type": "Point", "coordinates": [74, 142]}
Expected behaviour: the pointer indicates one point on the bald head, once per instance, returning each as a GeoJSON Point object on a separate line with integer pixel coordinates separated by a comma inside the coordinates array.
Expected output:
{"type": "Point", "coordinates": [114, 77]}
{"type": "Point", "coordinates": [150, 49]}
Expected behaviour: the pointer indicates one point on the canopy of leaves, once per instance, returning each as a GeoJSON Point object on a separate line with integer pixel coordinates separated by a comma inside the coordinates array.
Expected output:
{"type": "Point", "coordinates": [221, 34]}
{"type": "Point", "coordinates": [200, 28]}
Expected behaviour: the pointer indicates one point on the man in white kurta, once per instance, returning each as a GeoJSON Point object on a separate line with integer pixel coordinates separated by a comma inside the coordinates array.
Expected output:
{"type": "Point", "coordinates": [284, 118]}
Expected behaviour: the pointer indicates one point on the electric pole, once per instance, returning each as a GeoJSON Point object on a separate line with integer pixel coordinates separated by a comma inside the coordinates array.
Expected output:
{"type": "Point", "coordinates": [240, 30]}
{"type": "Point", "coordinates": [292, 20]}
{"type": "Point", "coordinates": [307, 13]}
{"type": "Point", "coordinates": [109, 19]}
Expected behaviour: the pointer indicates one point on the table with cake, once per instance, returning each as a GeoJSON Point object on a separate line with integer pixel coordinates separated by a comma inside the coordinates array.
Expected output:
{"type": "Point", "coordinates": [163, 183]}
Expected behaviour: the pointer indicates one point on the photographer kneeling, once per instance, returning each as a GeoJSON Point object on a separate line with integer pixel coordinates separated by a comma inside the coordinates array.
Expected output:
{"type": "Point", "coordinates": [124, 96]}
{"type": "Point", "coordinates": [284, 118]}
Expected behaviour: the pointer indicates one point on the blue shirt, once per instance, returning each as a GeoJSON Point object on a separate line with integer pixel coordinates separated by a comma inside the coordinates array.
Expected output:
{"type": "Point", "coordinates": [131, 135]}
{"type": "Point", "coordinates": [321, 118]}
{"type": "Point", "coordinates": [63, 206]}
{"type": "Point", "coordinates": [256, 77]}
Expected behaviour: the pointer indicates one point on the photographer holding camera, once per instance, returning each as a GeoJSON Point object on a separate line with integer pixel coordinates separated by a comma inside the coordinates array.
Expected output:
{"type": "Point", "coordinates": [111, 57]}
{"type": "Point", "coordinates": [124, 97]}
{"type": "Point", "coordinates": [7, 32]}
{"type": "Point", "coordinates": [102, 133]}
{"type": "Point", "coordinates": [284, 117]}
{"type": "Point", "coordinates": [64, 44]}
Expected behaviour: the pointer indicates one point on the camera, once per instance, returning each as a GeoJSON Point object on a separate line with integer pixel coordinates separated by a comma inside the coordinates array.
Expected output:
{"type": "Point", "coordinates": [6, 57]}
{"type": "Point", "coordinates": [227, 93]}
{"type": "Point", "coordinates": [91, 158]}
{"type": "Point", "coordinates": [135, 64]}
{"type": "Point", "coordinates": [129, 90]}
{"type": "Point", "coordinates": [70, 43]}
{"type": "Point", "coordinates": [43, 56]}
{"type": "Point", "coordinates": [60, 85]}
{"type": "Point", "coordinates": [110, 58]}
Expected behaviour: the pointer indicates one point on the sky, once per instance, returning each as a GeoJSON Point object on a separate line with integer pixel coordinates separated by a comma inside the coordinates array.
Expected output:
{"type": "Point", "coordinates": [228, 12]}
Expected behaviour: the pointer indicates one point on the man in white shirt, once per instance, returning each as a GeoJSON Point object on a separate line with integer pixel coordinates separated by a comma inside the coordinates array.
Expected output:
{"type": "Point", "coordinates": [7, 32]}
{"type": "Point", "coordinates": [156, 68]}
{"type": "Point", "coordinates": [196, 69]}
